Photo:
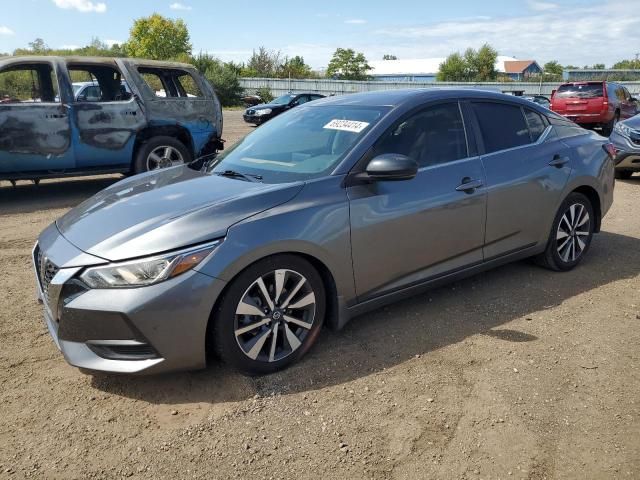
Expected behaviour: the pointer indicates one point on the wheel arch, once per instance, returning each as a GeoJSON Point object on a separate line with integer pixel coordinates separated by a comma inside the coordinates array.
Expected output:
{"type": "Point", "coordinates": [178, 132]}
{"type": "Point", "coordinates": [593, 196]}
{"type": "Point", "coordinates": [333, 312]}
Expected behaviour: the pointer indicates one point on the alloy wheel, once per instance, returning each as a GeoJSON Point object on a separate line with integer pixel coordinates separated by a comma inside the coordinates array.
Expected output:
{"type": "Point", "coordinates": [574, 230]}
{"type": "Point", "coordinates": [274, 315]}
{"type": "Point", "coordinates": [163, 157]}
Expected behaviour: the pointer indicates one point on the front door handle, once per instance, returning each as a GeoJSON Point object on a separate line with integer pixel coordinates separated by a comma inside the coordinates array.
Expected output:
{"type": "Point", "coordinates": [468, 185]}
{"type": "Point", "coordinates": [559, 161]}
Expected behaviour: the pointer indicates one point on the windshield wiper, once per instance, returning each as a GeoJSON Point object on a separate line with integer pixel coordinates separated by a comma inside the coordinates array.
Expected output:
{"type": "Point", "coordinates": [233, 174]}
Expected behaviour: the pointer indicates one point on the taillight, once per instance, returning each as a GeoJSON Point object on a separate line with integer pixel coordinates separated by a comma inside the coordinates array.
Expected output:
{"type": "Point", "coordinates": [610, 149]}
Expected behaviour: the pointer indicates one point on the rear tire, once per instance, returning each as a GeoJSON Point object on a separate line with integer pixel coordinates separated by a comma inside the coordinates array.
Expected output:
{"type": "Point", "coordinates": [607, 130]}
{"type": "Point", "coordinates": [258, 335]}
{"type": "Point", "coordinates": [160, 152]}
{"type": "Point", "coordinates": [623, 174]}
{"type": "Point", "coordinates": [571, 234]}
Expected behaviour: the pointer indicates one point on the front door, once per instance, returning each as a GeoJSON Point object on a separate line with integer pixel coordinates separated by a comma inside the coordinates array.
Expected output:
{"type": "Point", "coordinates": [34, 124]}
{"type": "Point", "coordinates": [405, 232]}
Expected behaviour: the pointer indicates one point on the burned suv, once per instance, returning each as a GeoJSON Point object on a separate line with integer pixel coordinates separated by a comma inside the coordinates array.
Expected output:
{"type": "Point", "coordinates": [168, 114]}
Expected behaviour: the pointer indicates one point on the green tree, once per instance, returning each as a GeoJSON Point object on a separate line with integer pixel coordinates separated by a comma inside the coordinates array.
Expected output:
{"type": "Point", "coordinates": [598, 66]}
{"type": "Point", "coordinates": [38, 46]}
{"type": "Point", "coordinates": [453, 69]}
{"type": "Point", "coordinates": [222, 76]}
{"type": "Point", "coordinates": [473, 65]}
{"type": "Point", "coordinates": [553, 67]}
{"type": "Point", "coordinates": [263, 63]}
{"type": "Point", "coordinates": [295, 68]}
{"type": "Point", "coordinates": [386, 56]}
{"type": "Point", "coordinates": [346, 64]}
{"type": "Point", "coordinates": [627, 64]}
{"type": "Point", "coordinates": [159, 38]}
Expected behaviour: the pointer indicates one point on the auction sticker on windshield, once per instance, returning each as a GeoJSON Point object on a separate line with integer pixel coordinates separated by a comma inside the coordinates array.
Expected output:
{"type": "Point", "coordinates": [346, 125]}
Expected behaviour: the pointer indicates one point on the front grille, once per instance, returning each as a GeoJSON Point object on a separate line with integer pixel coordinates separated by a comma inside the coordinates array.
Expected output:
{"type": "Point", "coordinates": [46, 270]}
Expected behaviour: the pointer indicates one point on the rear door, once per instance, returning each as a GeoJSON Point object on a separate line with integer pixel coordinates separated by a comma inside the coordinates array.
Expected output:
{"type": "Point", "coordinates": [35, 134]}
{"type": "Point", "coordinates": [106, 117]}
{"type": "Point", "coordinates": [405, 232]}
{"type": "Point", "coordinates": [525, 170]}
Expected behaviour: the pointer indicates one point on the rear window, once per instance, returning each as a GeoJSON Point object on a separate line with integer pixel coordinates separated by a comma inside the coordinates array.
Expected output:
{"type": "Point", "coordinates": [503, 126]}
{"type": "Point", "coordinates": [582, 90]}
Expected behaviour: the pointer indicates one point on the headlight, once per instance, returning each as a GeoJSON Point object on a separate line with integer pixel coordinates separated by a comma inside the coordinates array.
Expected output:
{"type": "Point", "coordinates": [264, 111]}
{"type": "Point", "coordinates": [146, 271]}
{"type": "Point", "coordinates": [623, 129]}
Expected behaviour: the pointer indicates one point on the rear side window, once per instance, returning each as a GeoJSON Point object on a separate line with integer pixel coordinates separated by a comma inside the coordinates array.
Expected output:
{"type": "Point", "coordinates": [432, 136]}
{"type": "Point", "coordinates": [536, 123]}
{"type": "Point", "coordinates": [170, 83]}
{"type": "Point", "coordinates": [502, 126]}
{"type": "Point", "coordinates": [580, 90]}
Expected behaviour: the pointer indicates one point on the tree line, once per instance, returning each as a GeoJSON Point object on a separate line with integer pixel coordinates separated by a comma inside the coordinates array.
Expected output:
{"type": "Point", "coordinates": [160, 38]}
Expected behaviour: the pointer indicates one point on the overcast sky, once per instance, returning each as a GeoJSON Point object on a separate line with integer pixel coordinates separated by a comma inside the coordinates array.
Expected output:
{"type": "Point", "coordinates": [571, 31]}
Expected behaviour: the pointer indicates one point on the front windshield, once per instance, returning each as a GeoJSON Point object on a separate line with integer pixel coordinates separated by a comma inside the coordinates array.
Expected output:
{"type": "Point", "coordinates": [304, 143]}
{"type": "Point", "coordinates": [283, 100]}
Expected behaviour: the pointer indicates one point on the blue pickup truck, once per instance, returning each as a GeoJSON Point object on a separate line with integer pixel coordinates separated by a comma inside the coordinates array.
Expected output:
{"type": "Point", "coordinates": [139, 115]}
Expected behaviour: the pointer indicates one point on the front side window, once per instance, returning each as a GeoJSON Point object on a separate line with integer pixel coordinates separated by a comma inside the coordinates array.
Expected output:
{"type": "Point", "coordinates": [430, 137]}
{"type": "Point", "coordinates": [502, 126]}
{"type": "Point", "coordinates": [302, 144]}
{"type": "Point", "coordinates": [30, 83]}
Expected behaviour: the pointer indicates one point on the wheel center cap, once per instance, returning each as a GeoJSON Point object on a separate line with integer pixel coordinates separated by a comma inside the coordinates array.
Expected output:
{"type": "Point", "coordinates": [277, 315]}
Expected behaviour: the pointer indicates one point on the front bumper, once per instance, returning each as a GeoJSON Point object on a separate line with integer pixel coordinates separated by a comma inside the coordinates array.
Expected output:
{"type": "Point", "coordinates": [627, 152]}
{"type": "Point", "coordinates": [256, 119]}
{"type": "Point", "coordinates": [151, 329]}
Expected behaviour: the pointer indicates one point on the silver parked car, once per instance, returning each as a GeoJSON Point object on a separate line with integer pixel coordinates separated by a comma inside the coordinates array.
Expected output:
{"type": "Point", "coordinates": [328, 210]}
{"type": "Point", "coordinates": [626, 140]}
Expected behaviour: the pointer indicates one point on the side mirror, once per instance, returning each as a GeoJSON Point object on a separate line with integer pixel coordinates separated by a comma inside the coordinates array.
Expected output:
{"type": "Point", "coordinates": [634, 99]}
{"type": "Point", "coordinates": [392, 166]}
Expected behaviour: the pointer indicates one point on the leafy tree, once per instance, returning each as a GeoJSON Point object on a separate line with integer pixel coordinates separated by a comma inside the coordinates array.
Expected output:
{"type": "Point", "coordinates": [265, 94]}
{"type": "Point", "coordinates": [346, 64]}
{"type": "Point", "coordinates": [598, 66]}
{"type": "Point", "coordinates": [263, 63]}
{"type": "Point", "coordinates": [38, 47]}
{"type": "Point", "coordinates": [627, 64]}
{"type": "Point", "coordinates": [386, 56]}
{"type": "Point", "coordinates": [159, 38]}
{"type": "Point", "coordinates": [295, 68]}
{"type": "Point", "coordinates": [222, 76]}
{"type": "Point", "coordinates": [453, 69]}
{"type": "Point", "coordinates": [553, 68]}
{"type": "Point", "coordinates": [473, 65]}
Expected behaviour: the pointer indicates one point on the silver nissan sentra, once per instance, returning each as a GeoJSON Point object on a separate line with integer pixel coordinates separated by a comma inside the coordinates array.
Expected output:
{"type": "Point", "coordinates": [331, 209]}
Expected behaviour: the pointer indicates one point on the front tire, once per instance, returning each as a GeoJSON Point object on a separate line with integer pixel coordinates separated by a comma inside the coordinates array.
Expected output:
{"type": "Point", "coordinates": [160, 152]}
{"type": "Point", "coordinates": [270, 315]}
{"type": "Point", "coordinates": [571, 234]}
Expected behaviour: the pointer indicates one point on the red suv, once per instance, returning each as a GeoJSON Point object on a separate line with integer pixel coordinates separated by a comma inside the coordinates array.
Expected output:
{"type": "Point", "coordinates": [594, 104]}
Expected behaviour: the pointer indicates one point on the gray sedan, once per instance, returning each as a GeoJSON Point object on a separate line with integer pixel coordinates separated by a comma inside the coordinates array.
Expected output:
{"type": "Point", "coordinates": [327, 211]}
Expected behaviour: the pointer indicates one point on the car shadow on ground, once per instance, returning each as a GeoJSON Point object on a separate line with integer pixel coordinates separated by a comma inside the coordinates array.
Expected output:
{"type": "Point", "coordinates": [27, 197]}
{"type": "Point", "coordinates": [394, 334]}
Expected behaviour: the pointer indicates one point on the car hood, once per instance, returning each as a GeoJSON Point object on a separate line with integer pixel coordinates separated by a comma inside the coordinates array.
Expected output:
{"type": "Point", "coordinates": [166, 210]}
{"type": "Point", "coordinates": [633, 122]}
{"type": "Point", "coordinates": [272, 106]}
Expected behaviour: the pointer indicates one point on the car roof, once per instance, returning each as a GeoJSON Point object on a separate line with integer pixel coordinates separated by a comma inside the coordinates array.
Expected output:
{"type": "Point", "coordinates": [395, 98]}
{"type": "Point", "coordinates": [110, 61]}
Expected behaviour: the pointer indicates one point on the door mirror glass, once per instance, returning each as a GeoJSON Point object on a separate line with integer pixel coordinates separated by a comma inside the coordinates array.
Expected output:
{"type": "Point", "coordinates": [392, 166]}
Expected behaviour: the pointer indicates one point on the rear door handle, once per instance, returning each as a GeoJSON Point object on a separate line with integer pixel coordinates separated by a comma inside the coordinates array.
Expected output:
{"type": "Point", "coordinates": [559, 161]}
{"type": "Point", "coordinates": [468, 185]}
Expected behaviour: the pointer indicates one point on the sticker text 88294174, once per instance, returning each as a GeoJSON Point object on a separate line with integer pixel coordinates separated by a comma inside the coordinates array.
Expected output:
{"type": "Point", "coordinates": [346, 125]}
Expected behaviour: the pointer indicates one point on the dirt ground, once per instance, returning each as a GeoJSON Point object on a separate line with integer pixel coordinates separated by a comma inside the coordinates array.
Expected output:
{"type": "Point", "coordinates": [515, 373]}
